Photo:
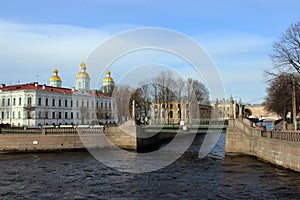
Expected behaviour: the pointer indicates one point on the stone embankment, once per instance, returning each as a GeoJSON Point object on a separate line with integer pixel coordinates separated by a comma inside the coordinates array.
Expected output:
{"type": "Point", "coordinates": [280, 148]}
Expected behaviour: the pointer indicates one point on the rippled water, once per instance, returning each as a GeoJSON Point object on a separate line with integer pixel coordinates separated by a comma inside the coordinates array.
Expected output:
{"type": "Point", "coordinates": [77, 175]}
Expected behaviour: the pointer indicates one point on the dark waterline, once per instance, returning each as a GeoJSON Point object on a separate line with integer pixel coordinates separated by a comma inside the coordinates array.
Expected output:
{"type": "Point", "coordinates": [78, 175]}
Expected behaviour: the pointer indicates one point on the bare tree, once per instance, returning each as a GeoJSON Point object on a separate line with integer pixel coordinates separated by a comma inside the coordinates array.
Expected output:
{"type": "Point", "coordinates": [179, 92]}
{"type": "Point", "coordinates": [166, 83]}
{"type": "Point", "coordinates": [286, 52]}
{"type": "Point", "coordinates": [279, 98]}
{"type": "Point", "coordinates": [142, 98]}
{"type": "Point", "coordinates": [196, 94]}
{"type": "Point", "coordinates": [122, 95]}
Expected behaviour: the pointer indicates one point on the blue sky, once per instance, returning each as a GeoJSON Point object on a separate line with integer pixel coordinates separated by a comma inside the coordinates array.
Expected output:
{"type": "Point", "coordinates": [35, 36]}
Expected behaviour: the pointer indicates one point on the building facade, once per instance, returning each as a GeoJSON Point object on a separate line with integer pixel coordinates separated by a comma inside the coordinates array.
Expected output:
{"type": "Point", "coordinates": [33, 104]}
{"type": "Point", "coordinates": [174, 112]}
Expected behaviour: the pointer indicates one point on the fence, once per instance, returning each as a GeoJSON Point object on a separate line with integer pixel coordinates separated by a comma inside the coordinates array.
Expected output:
{"type": "Point", "coordinates": [287, 135]}
{"type": "Point", "coordinates": [52, 131]}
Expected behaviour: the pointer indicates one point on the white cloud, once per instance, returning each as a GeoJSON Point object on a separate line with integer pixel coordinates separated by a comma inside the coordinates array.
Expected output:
{"type": "Point", "coordinates": [28, 48]}
{"type": "Point", "coordinates": [31, 48]}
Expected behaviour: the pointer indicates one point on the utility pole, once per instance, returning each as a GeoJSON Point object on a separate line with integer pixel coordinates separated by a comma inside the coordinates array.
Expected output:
{"type": "Point", "coordinates": [294, 109]}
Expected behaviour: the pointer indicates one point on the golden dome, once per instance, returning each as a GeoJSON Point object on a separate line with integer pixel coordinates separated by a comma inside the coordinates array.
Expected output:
{"type": "Point", "coordinates": [55, 77]}
{"type": "Point", "coordinates": [83, 65]}
{"type": "Point", "coordinates": [82, 73]}
{"type": "Point", "coordinates": [108, 78]}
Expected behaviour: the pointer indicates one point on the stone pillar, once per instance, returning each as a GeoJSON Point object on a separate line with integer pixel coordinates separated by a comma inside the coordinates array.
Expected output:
{"type": "Point", "coordinates": [231, 115]}
{"type": "Point", "coordinates": [240, 108]}
{"type": "Point", "coordinates": [284, 126]}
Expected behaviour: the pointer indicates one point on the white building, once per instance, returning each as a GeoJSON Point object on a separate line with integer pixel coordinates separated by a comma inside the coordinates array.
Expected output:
{"type": "Point", "coordinates": [33, 104]}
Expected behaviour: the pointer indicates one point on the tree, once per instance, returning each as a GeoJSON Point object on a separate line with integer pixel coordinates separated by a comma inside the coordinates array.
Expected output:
{"type": "Point", "coordinates": [122, 95]}
{"type": "Point", "coordinates": [286, 52]}
{"type": "Point", "coordinates": [166, 86]}
{"type": "Point", "coordinates": [142, 99]}
{"type": "Point", "coordinates": [279, 95]}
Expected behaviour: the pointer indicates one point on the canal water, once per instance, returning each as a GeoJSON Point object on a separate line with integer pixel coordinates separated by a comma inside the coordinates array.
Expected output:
{"type": "Point", "coordinates": [78, 175]}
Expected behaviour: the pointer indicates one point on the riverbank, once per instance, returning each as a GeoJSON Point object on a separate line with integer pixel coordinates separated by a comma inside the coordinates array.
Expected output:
{"type": "Point", "coordinates": [278, 148]}
{"type": "Point", "coordinates": [129, 137]}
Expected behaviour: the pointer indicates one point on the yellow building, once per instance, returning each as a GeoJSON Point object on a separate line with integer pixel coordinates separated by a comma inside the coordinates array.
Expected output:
{"type": "Point", "coordinates": [174, 112]}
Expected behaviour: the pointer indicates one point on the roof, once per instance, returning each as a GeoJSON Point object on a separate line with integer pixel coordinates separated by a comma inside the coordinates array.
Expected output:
{"type": "Point", "coordinates": [36, 86]}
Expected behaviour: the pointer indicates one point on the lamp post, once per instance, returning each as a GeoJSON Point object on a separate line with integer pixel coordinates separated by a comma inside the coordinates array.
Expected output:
{"type": "Point", "coordinates": [294, 109]}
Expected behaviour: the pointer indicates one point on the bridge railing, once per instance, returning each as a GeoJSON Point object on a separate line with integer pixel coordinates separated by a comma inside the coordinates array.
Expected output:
{"type": "Point", "coordinates": [286, 135]}
{"type": "Point", "coordinates": [247, 127]}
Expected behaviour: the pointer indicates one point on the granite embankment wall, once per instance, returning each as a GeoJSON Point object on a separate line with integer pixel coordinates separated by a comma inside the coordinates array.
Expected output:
{"type": "Point", "coordinates": [279, 148]}
{"type": "Point", "coordinates": [62, 139]}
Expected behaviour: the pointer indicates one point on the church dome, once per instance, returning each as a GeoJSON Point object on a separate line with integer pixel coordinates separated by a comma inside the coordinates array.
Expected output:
{"type": "Point", "coordinates": [82, 80]}
{"type": "Point", "coordinates": [55, 80]}
{"type": "Point", "coordinates": [82, 73]}
{"type": "Point", "coordinates": [55, 77]}
{"type": "Point", "coordinates": [108, 78]}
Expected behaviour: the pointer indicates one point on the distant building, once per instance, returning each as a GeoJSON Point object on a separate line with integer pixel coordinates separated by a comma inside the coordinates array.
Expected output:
{"type": "Point", "coordinates": [33, 104]}
{"type": "Point", "coordinates": [174, 112]}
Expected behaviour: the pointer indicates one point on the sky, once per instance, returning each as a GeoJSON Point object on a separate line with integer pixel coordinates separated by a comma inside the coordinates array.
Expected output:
{"type": "Point", "coordinates": [37, 36]}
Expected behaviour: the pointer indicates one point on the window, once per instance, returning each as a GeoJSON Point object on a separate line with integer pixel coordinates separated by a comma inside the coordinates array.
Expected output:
{"type": "Point", "coordinates": [14, 101]}
{"type": "Point", "coordinates": [29, 101]}
{"type": "Point", "coordinates": [20, 101]}
{"type": "Point", "coordinates": [46, 102]}
{"type": "Point", "coordinates": [171, 106]}
{"type": "Point", "coordinates": [179, 106]}
{"type": "Point", "coordinates": [7, 115]}
{"type": "Point", "coordinates": [82, 103]}
{"type": "Point", "coordinates": [13, 114]}
{"type": "Point", "coordinates": [87, 104]}
{"type": "Point", "coordinates": [66, 115]}
{"type": "Point", "coordinates": [19, 115]}
{"type": "Point", "coordinates": [66, 103]}
{"type": "Point", "coordinates": [53, 115]}
{"type": "Point", "coordinates": [97, 104]}
{"type": "Point", "coordinates": [46, 115]}
{"type": "Point", "coordinates": [59, 102]}
{"type": "Point", "coordinates": [101, 104]}
{"type": "Point", "coordinates": [71, 103]}
{"type": "Point", "coordinates": [72, 115]}
{"type": "Point", "coordinates": [8, 101]}
{"type": "Point", "coordinates": [39, 115]}
{"type": "Point", "coordinates": [77, 104]}
{"type": "Point", "coordinates": [163, 114]}
{"type": "Point", "coordinates": [59, 115]}
{"type": "Point", "coordinates": [77, 115]}
{"type": "Point", "coordinates": [39, 101]}
{"type": "Point", "coordinates": [92, 104]}
{"type": "Point", "coordinates": [163, 106]}
{"type": "Point", "coordinates": [109, 105]}
{"type": "Point", "coordinates": [2, 115]}
{"type": "Point", "coordinates": [105, 105]}
{"type": "Point", "coordinates": [53, 102]}
{"type": "Point", "coordinates": [179, 114]}
{"type": "Point", "coordinates": [171, 114]}
{"type": "Point", "coordinates": [3, 102]}
{"type": "Point", "coordinates": [187, 114]}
